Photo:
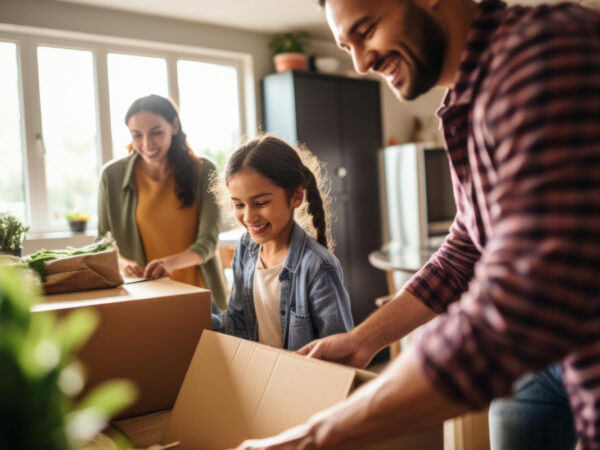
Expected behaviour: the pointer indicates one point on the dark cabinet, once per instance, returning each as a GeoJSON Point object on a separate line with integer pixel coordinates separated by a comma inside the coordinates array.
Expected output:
{"type": "Point", "coordinates": [339, 119]}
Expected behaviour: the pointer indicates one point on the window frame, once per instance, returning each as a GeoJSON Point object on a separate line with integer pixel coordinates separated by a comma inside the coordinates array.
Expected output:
{"type": "Point", "coordinates": [28, 39]}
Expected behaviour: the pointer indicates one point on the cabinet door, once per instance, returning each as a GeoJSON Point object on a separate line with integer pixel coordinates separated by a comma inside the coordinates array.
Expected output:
{"type": "Point", "coordinates": [361, 124]}
{"type": "Point", "coordinates": [363, 236]}
{"type": "Point", "coordinates": [318, 123]}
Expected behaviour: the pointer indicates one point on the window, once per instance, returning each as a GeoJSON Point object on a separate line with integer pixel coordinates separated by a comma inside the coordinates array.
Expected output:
{"type": "Point", "coordinates": [64, 100]}
{"type": "Point", "coordinates": [69, 127]}
{"type": "Point", "coordinates": [209, 108]}
{"type": "Point", "coordinates": [12, 183]}
{"type": "Point", "coordinates": [131, 77]}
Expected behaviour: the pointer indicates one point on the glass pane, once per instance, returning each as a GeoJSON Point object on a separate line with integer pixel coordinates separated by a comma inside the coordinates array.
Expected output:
{"type": "Point", "coordinates": [131, 77]}
{"type": "Point", "coordinates": [68, 103]}
{"type": "Point", "coordinates": [12, 187]}
{"type": "Point", "coordinates": [209, 108]}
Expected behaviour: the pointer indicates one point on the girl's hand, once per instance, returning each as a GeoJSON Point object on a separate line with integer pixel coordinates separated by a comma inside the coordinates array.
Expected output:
{"type": "Point", "coordinates": [130, 268]}
{"type": "Point", "coordinates": [157, 268]}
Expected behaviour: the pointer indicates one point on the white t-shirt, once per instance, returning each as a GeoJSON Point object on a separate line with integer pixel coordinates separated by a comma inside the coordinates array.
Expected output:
{"type": "Point", "coordinates": [266, 303]}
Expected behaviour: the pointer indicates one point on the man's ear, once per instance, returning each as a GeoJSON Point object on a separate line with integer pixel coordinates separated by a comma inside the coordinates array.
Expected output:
{"type": "Point", "coordinates": [297, 197]}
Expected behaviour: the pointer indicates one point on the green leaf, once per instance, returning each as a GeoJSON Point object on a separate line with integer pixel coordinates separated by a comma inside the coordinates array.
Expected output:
{"type": "Point", "coordinates": [75, 329]}
{"type": "Point", "coordinates": [110, 397]}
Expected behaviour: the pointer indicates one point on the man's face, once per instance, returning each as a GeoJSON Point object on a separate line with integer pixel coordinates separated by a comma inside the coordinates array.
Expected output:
{"type": "Point", "coordinates": [395, 38]}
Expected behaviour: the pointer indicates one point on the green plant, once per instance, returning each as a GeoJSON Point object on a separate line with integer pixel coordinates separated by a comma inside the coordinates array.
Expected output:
{"type": "Point", "coordinates": [77, 216]}
{"type": "Point", "coordinates": [40, 377]}
{"type": "Point", "coordinates": [288, 42]}
{"type": "Point", "coordinates": [12, 233]}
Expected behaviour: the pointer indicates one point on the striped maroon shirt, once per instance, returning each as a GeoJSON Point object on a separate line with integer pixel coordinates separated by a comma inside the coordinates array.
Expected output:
{"type": "Point", "coordinates": [517, 281]}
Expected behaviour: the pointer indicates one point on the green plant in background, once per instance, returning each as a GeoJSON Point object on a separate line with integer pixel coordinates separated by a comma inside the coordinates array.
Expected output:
{"type": "Point", "coordinates": [39, 376]}
{"type": "Point", "coordinates": [288, 42]}
{"type": "Point", "coordinates": [12, 233]}
{"type": "Point", "coordinates": [77, 216]}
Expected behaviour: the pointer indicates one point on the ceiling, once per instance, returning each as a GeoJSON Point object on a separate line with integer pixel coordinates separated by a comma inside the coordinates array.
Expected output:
{"type": "Point", "coordinates": [267, 16]}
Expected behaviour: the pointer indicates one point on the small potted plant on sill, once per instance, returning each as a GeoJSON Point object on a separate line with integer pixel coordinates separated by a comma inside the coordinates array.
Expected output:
{"type": "Point", "coordinates": [288, 51]}
{"type": "Point", "coordinates": [77, 221]}
{"type": "Point", "coordinates": [12, 235]}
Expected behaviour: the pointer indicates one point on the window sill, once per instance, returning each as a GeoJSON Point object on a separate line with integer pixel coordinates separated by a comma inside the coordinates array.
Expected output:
{"type": "Point", "coordinates": [63, 239]}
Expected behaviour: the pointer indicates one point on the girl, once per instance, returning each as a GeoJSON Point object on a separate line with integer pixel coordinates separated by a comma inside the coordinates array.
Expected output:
{"type": "Point", "coordinates": [288, 287]}
{"type": "Point", "coordinates": [156, 203]}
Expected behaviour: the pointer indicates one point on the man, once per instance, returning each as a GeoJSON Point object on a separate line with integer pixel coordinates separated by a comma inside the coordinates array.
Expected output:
{"type": "Point", "coordinates": [515, 286]}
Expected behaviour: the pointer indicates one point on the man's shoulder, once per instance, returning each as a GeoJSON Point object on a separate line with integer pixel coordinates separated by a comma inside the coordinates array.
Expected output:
{"type": "Point", "coordinates": [523, 26]}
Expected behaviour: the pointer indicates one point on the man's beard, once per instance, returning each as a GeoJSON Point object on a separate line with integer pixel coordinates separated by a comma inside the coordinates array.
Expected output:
{"type": "Point", "coordinates": [424, 71]}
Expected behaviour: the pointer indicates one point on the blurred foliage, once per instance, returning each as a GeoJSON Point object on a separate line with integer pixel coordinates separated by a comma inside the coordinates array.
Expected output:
{"type": "Point", "coordinates": [77, 216]}
{"type": "Point", "coordinates": [12, 233]}
{"type": "Point", "coordinates": [217, 157]}
{"type": "Point", "coordinates": [40, 378]}
{"type": "Point", "coordinates": [289, 42]}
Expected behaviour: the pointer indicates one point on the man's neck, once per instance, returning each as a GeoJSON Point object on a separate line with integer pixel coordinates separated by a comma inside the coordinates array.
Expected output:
{"type": "Point", "coordinates": [459, 16]}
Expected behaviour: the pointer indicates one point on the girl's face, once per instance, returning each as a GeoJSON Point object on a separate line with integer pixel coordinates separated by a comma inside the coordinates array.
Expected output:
{"type": "Point", "coordinates": [152, 136]}
{"type": "Point", "coordinates": [263, 208]}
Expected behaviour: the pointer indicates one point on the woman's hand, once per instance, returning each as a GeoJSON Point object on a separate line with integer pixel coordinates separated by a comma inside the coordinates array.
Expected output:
{"type": "Point", "coordinates": [158, 268]}
{"type": "Point", "coordinates": [130, 268]}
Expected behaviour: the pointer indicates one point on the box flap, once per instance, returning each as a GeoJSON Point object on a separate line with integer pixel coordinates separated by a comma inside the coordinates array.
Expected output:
{"type": "Point", "coordinates": [236, 389]}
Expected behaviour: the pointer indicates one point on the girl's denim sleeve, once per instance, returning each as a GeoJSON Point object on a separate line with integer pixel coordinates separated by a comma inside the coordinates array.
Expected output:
{"type": "Point", "coordinates": [233, 321]}
{"type": "Point", "coordinates": [330, 301]}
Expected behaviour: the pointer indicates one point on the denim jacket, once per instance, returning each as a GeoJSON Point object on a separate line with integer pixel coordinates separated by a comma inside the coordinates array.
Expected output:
{"type": "Point", "coordinates": [313, 302]}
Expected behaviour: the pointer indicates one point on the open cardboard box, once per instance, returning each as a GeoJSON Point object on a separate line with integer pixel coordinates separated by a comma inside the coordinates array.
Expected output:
{"type": "Point", "coordinates": [236, 389]}
{"type": "Point", "coordinates": [148, 332]}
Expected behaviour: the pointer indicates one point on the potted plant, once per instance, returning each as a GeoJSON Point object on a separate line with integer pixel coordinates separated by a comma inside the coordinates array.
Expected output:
{"type": "Point", "coordinates": [40, 377]}
{"type": "Point", "coordinates": [77, 221]}
{"type": "Point", "coordinates": [288, 51]}
{"type": "Point", "coordinates": [12, 234]}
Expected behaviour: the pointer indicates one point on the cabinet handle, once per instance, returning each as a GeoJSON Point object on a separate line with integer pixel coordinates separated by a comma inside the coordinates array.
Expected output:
{"type": "Point", "coordinates": [341, 172]}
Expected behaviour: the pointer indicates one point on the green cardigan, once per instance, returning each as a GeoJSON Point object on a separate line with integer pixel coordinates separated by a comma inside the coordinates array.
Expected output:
{"type": "Point", "coordinates": [117, 202]}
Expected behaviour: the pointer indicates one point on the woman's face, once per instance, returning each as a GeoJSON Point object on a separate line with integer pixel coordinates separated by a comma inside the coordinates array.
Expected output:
{"type": "Point", "coordinates": [151, 136]}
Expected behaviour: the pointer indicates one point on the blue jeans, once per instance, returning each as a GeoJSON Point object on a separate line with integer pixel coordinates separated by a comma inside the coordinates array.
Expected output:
{"type": "Point", "coordinates": [537, 417]}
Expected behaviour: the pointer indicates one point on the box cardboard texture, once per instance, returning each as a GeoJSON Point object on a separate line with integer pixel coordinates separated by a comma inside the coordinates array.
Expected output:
{"type": "Point", "coordinates": [147, 333]}
{"type": "Point", "coordinates": [236, 390]}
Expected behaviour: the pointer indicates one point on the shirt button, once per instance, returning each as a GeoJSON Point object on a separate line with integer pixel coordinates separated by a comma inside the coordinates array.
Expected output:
{"type": "Point", "coordinates": [453, 131]}
{"type": "Point", "coordinates": [282, 313]}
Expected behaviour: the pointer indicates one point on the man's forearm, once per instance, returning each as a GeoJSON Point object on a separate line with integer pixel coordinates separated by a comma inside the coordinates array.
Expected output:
{"type": "Point", "coordinates": [393, 321]}
{"type": "Point", "coordinates": [400, 400]}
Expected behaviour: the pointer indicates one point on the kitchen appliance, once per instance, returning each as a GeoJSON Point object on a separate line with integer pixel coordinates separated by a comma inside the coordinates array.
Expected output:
{"type": "Point", "coordinates": [416, 194]}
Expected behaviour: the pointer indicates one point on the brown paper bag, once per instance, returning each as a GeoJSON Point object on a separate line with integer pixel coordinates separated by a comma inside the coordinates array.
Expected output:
{"type": "Point", "coordinates": [83, 272]}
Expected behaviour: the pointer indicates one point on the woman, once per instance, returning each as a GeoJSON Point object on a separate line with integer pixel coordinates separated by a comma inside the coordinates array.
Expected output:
{"type": "Point", "coordinates": [156, 203]}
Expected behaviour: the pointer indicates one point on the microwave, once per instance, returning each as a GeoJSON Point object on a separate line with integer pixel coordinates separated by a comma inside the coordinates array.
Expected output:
{"type": "Point", "coordinates": [416, 194]}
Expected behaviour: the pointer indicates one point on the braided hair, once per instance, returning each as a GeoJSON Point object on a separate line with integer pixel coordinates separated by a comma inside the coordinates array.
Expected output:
{"type": "Point", "coordinates": [180, 155]}
{"type": "Point", "coordinates": [288, 168]}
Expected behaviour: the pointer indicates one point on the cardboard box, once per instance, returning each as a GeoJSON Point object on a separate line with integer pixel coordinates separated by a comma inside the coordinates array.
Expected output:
{"type": "Point", "coordinates": [147, 333]}
{"type": "Point", "coordinates": [235, 390]}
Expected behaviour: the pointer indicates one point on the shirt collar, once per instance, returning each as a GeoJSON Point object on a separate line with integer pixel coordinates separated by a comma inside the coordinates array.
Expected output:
{"type": "Point", "coordinates": [472, 61]}
{"type": "Point", "coordinates": [128, 179]}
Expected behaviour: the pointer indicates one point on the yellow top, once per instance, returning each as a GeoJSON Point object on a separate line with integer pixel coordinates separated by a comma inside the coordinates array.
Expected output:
{"type": "Point", "coordinates": [165, 227]}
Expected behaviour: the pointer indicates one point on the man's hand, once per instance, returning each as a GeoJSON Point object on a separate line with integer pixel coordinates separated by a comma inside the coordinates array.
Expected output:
{"type": "Point", "coordinates": [130, 268]}
{"type": "Point", "coordinates": [157, 268]}
{"type": "Point", "coordinates": [343, 348]}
